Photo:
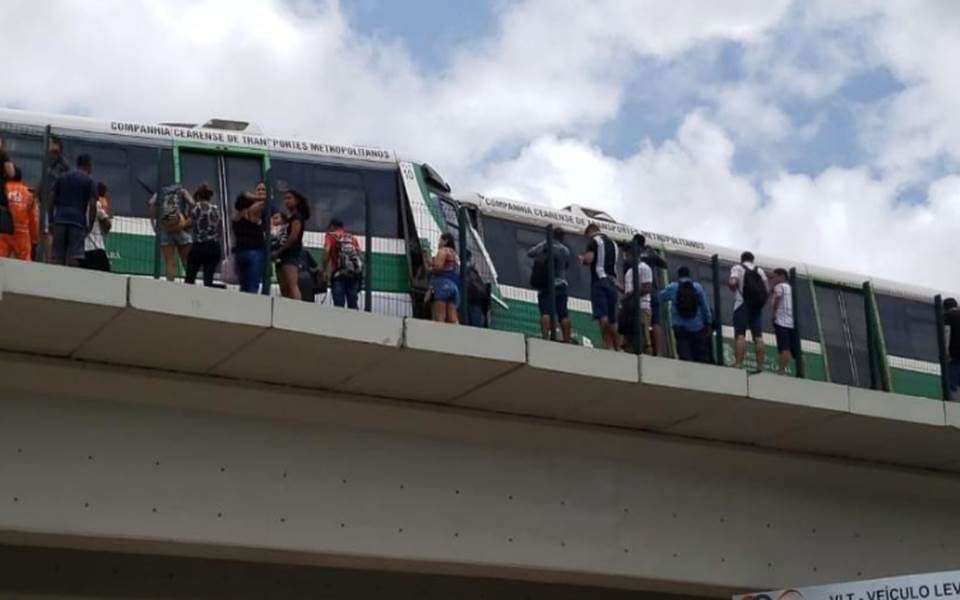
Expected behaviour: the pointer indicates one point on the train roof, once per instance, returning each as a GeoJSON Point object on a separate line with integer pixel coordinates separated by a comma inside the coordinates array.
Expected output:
{"type": "Point", "coordinates": [576, 221]}
{"type": "Point", "coordinates": [217, 132]}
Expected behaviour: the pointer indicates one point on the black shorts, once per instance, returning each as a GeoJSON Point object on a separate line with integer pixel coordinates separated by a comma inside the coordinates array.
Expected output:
{"type": "Point", "coordinates": [784, 338]}
{"type": "Point", "coordinates": [68, 243]}
{"type": "Point", "coordinates": [96, 260]}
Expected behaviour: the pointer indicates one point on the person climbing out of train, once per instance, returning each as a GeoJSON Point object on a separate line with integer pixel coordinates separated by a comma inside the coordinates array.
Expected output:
{"type": "Point", "coordinates": [444, 292]}
{"type": "Point", "coordinates": [951, 318]}
{"type": "Point", "coordinates": [94, 246]}
{"type": "Point", "coordinates": [538, 280]}
{"type": "Point", "coordinates": [169, 209]}
{"type": "Point", "coordinates": [601, 257]}
{"type": "Point", "coordinates": [691, 317]}
{"type": "Point", "coordinates": [249, 254]}
{"type": "Point", "coordinates": [749, 284]}
{"type": "Point", "coordinates": [478, 295]}
{"type": "Point", "coordinates": [296, 212]}
{"type": "Point", "coordinates": [204, 221]}
{"type": "Point", "coordinates": [74, 208]}
{"type": "Point", "coordinates": [628, 311]}
{"type": "Point", "coordinates": [783, 319]}
{"type": "Point", "coordinates": [344, 261]}
{"type": "Point", "coordinates": [25, 219]}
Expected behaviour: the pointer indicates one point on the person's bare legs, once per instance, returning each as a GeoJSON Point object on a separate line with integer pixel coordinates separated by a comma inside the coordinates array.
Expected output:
{"type": "Point", "coordinates": [452, 315]}
{"type": "Point", "coordinates": [545, 326]}
{"type": "Point", "coordinates": [761, 351]}
{"type": "Point", "coordinates": [438, 310]}
{"type": "Point", "coordinates": [184, 253]}
{"type": "Point", "coordinates": [740, 350]}
{"type": "Point", "coordinates": [784, 362]}
{"type": "Point", "coordinates": [169, 261]}
{"type": "Point", "coordinates": [659, 340]}
{"type": "Point", "coordinates": [289, 276]}
{"type": "Point", "coordinates": [565, 331]}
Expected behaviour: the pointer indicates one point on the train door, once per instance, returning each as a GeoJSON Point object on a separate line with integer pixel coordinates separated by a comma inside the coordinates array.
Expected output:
{"type": "Point", "coordinates": [845, 338]}
{"type": "Point", "coordinates": [228, 174]}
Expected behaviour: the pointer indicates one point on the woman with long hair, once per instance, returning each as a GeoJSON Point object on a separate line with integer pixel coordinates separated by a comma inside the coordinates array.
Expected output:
{"type": "Point", "coordinates": [287, 254]}
{"type": "Point", "coordinates": [249, 254]}
{"type": "Point", "coordinates": [445, 281]}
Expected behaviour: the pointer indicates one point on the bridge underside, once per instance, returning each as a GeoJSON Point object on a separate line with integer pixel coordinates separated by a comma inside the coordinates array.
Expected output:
{"type": "Point", "coordinates": [31, 573]}
{"type": "Point", "coordinates": [160, 420]}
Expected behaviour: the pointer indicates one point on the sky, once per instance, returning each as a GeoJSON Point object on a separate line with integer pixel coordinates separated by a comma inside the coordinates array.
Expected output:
{"type": "Point", "coordinates": [823, 132]}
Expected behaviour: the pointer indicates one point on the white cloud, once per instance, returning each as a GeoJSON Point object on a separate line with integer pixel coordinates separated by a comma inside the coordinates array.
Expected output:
{"type": "Point", "coordinates": [550, 76]}
{"type": "Point", "coordinates": [847, 219]}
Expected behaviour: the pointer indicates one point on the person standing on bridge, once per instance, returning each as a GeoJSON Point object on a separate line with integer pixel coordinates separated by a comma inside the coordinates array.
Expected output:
{"type": "Point", "coordinates": [951, 318]}
{"type": "Point", "coordinates": [444, 291]}
{"type": "Point", "coordinates": [783, 319]}
{"type": "Point", "coordinates": [23, 212]}
{"type": "Point", "coordinates": [601, 258]}
{"type": "Point", "coordinates": [205, 252]}
{"type": "Point", "coordinates": [249, 254]}
{"type": "Point", "coordinates": [691, 317]}
{"type": "Point", "coordinates": [538, 278]}
{"type": "Point", "coordinates": [749, 284]}
{"type": "Point", "coordinates": [74, 209]}
{"type": "Point", "coordinates": [344, 260]}
{"type": "Point", "coordinates": [290, 247]}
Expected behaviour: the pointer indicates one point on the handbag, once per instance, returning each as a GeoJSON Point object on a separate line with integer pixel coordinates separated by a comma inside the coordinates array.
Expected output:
{"type": "Point", "coordinates": [228, 271]}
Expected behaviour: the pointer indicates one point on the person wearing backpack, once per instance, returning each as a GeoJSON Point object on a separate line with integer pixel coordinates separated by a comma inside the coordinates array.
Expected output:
{"type": "Point", "coordinates": [691, 316]}
{"type": "Point", "coordinates": [749, 283]}
{"type": "Point", "coordinates": [169, 210]}
{"type": "Point", "coordinates": [344, 260]}
{"type": "Point", "coordinates": [538, 280]}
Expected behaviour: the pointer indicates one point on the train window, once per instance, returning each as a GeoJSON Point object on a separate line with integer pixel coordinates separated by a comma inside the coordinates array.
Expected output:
{"type": "Point", "coordinates": [26, 152]}
{"type": "Point", "coordinates": [508, 242]}
{"type": "Point", "coordinates": [843, 317]}
{"type": "Point", "coordinates": [341, 192]}
{"type": "Point", "coordinates": [909, 328]}
{"type": "Point", "coordinates": [129, 171]}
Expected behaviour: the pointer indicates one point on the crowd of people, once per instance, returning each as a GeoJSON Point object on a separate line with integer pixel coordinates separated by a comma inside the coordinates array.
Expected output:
{"type": "Point", "coordinates": [616, 305]}
{"type": "Point", "coordinates": [189, 225]}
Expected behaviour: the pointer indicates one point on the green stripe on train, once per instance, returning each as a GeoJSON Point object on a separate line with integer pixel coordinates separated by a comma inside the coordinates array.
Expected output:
{"type": "Point", "coordinates": [914, 383]}
{"type": "Point", "coordinates": [133, 254]}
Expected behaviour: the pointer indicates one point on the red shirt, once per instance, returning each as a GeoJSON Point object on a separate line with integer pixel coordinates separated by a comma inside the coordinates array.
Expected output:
{"type": "Point", "coordinates": [331, 245]}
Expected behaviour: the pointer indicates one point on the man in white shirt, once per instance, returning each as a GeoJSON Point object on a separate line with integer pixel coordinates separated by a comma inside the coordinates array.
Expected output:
{"type": "Point", "coordinates": [749, 284]}
{"type": "Point", "coordinates": [783, 318]}
{"type": "Point", "coordinates": [646, 287]}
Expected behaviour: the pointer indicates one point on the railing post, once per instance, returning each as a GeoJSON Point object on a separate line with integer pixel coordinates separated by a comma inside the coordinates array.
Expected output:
{"type": "Point", "coordinates": [367, 255]}
{"type": "Point", "coordinates": [717, 307]}
{"type": "Point", "coordinates": [45, 199]}
{"type": "Point", "coordinates": [266, 279]}
{"type": "Point", "coordinates": [462, 224]}
{"type": "Point", "coordinates": [798, 359]}
{"type": "Point", "coordinates": [156, 215]}
{"type": "Point", "coordinates": [551, 283]}
{"type": "Point", "coordinates": [639, 335]}
{"type": "Point", "coordinates": [871, 338]}
{"type": "Point", "coordinates": [942, 348]}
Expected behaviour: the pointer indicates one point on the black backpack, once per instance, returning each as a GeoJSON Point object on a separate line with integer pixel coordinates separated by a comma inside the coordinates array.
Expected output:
{"type": "Point", "coordinates": [538, 275]}
{"type": "Point", "coordinates": [477, 291]}
{"type": "Point", "coordinates": [687, 300]}
{"type": "Point", "coordinates": [754, 289]}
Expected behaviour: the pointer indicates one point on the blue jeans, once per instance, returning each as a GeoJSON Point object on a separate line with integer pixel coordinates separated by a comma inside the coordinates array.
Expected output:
{"type": "Point", "coordinates": [953, 373]}
{"type": "Point", "coordinates": [345, 291]}
{"type": "Point", "coordinates": [693, 346]}
{"type": "Point", "coordinates": [476, 315]}
{"type": "Point", "coordinates": [250, 267]}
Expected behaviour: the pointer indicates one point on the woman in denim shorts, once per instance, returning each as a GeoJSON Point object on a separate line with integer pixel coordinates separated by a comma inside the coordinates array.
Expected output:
{"type": "Point", "coordinates": [445, 281]}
